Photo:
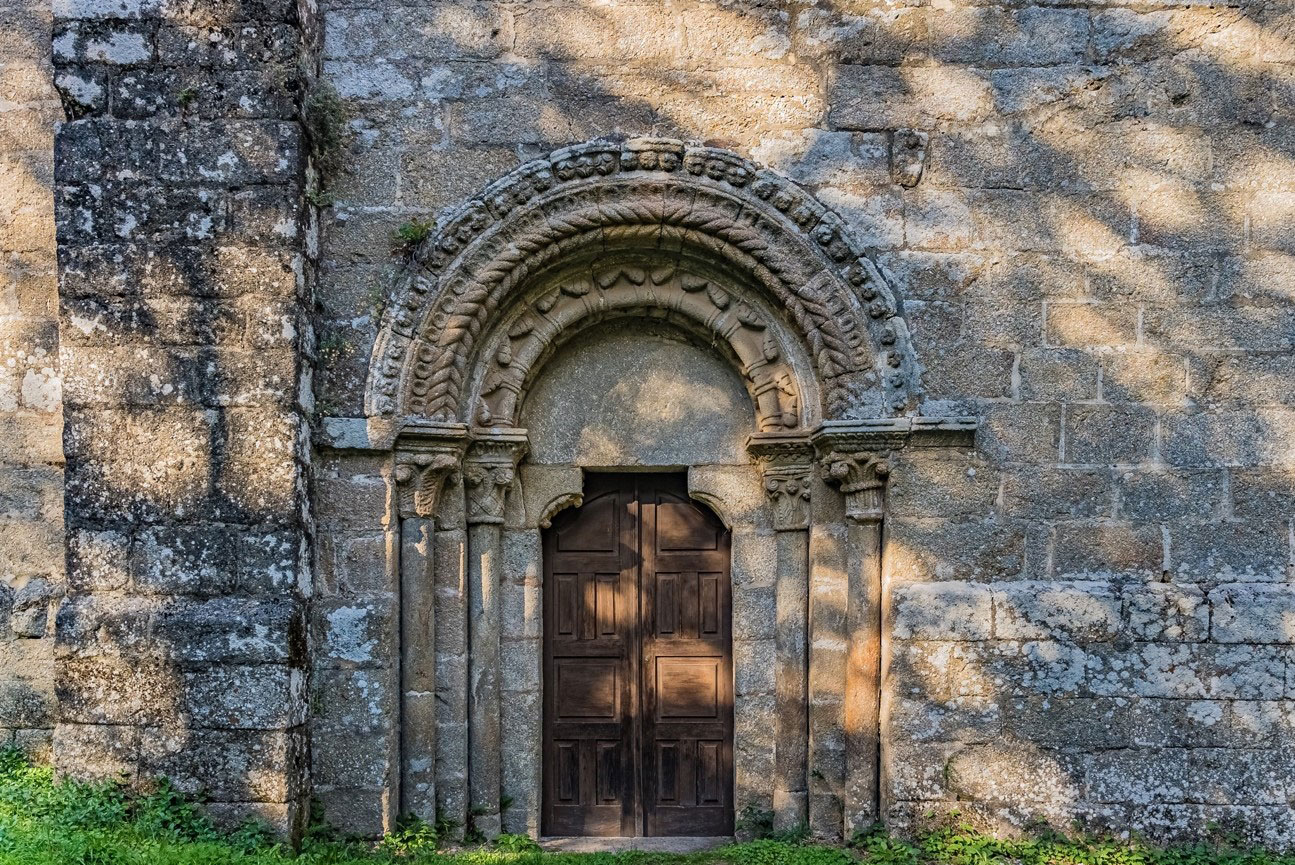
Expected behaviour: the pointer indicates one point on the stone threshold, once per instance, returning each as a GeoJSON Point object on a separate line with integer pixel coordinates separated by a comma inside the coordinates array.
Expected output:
{"type": "Point", "coordinates": [588, 844]}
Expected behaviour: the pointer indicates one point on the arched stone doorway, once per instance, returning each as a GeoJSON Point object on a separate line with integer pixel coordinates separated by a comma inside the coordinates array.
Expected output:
{"type": "Point", "coordinates": [793, 377]}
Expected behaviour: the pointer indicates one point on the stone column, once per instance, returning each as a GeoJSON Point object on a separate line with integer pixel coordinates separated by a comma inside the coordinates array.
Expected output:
{"type": "Point", "coordinates": [786, 461]}
{"type": "Point", "coordinates": [488, 475]}
{"type": "Point", "coordinates": [861, 477]}
{"type": "Point", "coordinates": [425, 459]}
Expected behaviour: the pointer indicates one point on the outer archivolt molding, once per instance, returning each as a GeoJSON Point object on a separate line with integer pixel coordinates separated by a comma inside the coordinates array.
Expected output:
{"type": "Point", "coordinates": [666, 197]}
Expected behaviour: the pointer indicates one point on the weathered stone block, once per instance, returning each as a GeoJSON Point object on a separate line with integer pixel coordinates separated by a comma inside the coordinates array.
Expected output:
{"type": "Point", "coordinates": [1249, 613]}
{"type": "Point", "coordinates": [31, 612]}
{"type": "Point", "coordinates": [184, 560]}
{"type": "Point", "coordinates": [1164, 612]}
{"type": "Point", "coordinates": [352, 700]}
{"type": "Point", "coordinates": [1057, 493]}
{"type": "Point", "coordinates": [116, 690]}
{"type": "Point", "coordinates": [1118, 435]}
{"type": "Point", "coordinates": [1262, 492]}
{"type": "Point", "coordinates": [1188, 670]}
{"type": "Point", "coordinates": [870, 35]}
{"type": "Point", "coordinates": [923, 549]}
{"type": "Point", "coordinates": [922, 486]}
{"type": "Point", "coordinates": [1159, 496]}
{"type": "Point", "coordinates": [1020, 433]}
{"type": "Point", "coordinates": [1075, 724]}
{"type": "Point", "coordinates": [864, 97]}
{"type": "Point", "coordinates": [1091, 325]}
{"type": "Point", "coordinates": [352, 759]}
{"type": "Point", "coordinates": [260, 697]}
{"type": "Point", "coordinates": [1061, 375]}
{"type": "Point", "coordinates": [1020, 668]}
{"type": "Point", "coordinates": [982, 772]}
{"type": "Point", "coordinates": [1217, 776]}
{"type": "Point", "coordinates": [355, 631]}
{"type": "Point", "coordinates": [230, 766]}
{"type": "Point", "coordinates": [962, 719]}
{"type": "Point", "coordinates": [1101, 550]}
{"type": "Point", "coordinates": [95, 752]}
{"type": "Point", "coordinates": [1081, 611]}
{"type": "Point", "coordinates": [26, 704]}
{"type": "Point", "coordinates": [230, 630]}
{"type": "Point", "coordinates": [1033, 36]}
{"type": "Point", "coordinates": [456, 31]}
{"type": "Point", "coordinates": [1226, 551]}
{"type": "Point", "coordinates": [941, 611]}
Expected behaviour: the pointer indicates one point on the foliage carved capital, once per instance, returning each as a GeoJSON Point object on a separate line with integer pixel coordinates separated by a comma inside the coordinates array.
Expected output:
{"type": "Point", "coordinates": [426, 458]}
{"type": "Point", "coordinates": [787, 462]}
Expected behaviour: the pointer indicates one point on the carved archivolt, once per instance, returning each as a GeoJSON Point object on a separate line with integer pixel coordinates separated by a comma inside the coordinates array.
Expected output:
{"type": "Point", "coordinates": [754, 341]}
{"type": "Point", "coordinates": [672, 205]}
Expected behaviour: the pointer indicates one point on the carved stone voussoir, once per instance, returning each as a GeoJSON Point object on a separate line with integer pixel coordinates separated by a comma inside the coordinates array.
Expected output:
{"type": "Point", "coordinates": [489, 472]}
{"type": "Point", "coordinates": [718, 206]}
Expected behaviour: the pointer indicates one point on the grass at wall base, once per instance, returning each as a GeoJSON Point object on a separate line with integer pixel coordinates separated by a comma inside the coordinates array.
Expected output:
{"type": "Point", "coordinates": [43, 822]}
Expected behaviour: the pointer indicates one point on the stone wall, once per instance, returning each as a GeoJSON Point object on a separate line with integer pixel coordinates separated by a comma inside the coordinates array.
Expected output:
{"type": "Point", "coordinates": [31, 452]}
{"type": "Point", "coordinates": [1087, 208]}
{"type": "Point", "coordinates": [185, 279]}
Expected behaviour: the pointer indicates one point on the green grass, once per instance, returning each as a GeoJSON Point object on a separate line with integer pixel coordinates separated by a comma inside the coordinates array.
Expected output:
{"type": "Point", "coordinates": [48, 823]}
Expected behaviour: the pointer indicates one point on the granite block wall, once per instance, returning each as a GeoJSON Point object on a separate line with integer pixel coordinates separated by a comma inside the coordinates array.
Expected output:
{"type": "Point", "coordinates": [185, 269]}
{"type": "Point", "coordinates": [1087, 208]}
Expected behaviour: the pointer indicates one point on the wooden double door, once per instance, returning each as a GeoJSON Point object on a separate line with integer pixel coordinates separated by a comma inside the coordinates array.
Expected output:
{"type": "Point", "coordinates": [638, 663]}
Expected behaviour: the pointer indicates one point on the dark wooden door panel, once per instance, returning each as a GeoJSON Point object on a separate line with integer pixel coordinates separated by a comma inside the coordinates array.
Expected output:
{"type": "Point", "coordinates": [638, 710]}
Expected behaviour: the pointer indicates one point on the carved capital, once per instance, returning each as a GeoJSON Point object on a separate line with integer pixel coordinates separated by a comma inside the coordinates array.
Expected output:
{"type": "Point", "coordinates": [861, 477]}
{"type": "Point", "coordinates": [489, 472]}
{"type": "Point", "coordinates": [426, 457]}
{"type": "Point", "coordinates": [788, 489]}
{"type": "Point", "coordinates": [788, 466]}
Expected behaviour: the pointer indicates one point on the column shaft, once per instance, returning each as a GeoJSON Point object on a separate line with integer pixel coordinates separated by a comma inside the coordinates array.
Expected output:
{"type": "Point", "coordinates": [791, 756]}
{"type": "Point", "coordinates": [418, 667]}
{"type": "Point", "coordinates": [863, 676]}
{"type": "Point", "coordinates": [484, 550]}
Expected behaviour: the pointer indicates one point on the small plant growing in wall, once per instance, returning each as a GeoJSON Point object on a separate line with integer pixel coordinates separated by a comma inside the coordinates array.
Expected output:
{"type": "Point", "coordinates": [754, 822]}
{"type": "Point", "coordinates": [506, 843]}
{"type": "Point", "coordinates": [330, 349]}
{"type": "Point", "coordinates": [377, 298]}
{"type": "Point", "coordinates": [185, 98]}
{"type": "Point", "coordinates": [405, 239]}
{"type": "Point", "coordinates": [316, 196]}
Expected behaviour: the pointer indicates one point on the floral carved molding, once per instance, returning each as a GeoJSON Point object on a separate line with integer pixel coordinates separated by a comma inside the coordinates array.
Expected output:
{"type": "Point", "coordinates": [656, 220]}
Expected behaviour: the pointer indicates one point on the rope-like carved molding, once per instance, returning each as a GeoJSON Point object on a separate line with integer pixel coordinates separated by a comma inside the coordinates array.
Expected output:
{"type": "Point", "coordinates": [671, 197]}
